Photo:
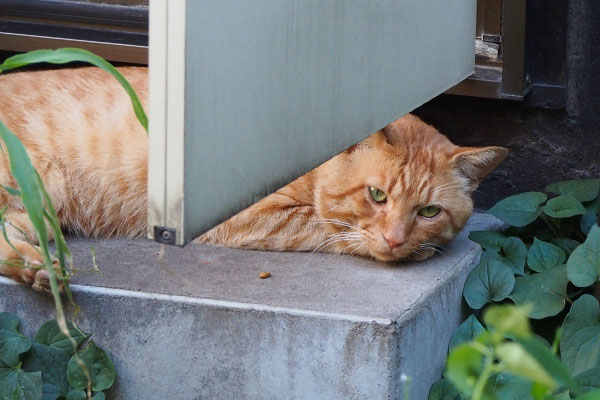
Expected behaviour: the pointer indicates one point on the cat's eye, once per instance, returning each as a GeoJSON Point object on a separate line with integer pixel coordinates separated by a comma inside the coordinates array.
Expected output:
{"type": "Point", "coordinates": [429, 211]}
{"type": "Point", "coordinates": [377, 195]}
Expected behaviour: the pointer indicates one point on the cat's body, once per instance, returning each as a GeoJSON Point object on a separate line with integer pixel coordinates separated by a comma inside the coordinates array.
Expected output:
{"type": "Point", "coordinates": [83, 138]}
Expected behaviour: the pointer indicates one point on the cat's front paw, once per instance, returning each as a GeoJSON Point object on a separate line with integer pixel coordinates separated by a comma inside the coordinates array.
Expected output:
{"type": "Point", "coordinates": [23, 263]}
{"type": "Point", "coordinates": [38, 277]}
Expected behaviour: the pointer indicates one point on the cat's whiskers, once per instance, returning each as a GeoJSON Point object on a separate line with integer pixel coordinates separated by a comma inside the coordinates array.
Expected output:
{"type": "Point", "coordinates": [357, 247]}
{"type": "Point", "coordinates": [339, 237]}
{"type": "Point", "coordinates": [438, 248]}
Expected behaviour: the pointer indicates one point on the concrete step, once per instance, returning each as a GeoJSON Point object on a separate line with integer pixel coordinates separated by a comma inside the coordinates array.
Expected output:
{"type": "Point", "coordinates": [198, 322]}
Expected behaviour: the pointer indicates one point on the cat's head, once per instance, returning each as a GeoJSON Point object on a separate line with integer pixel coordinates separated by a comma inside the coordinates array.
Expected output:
{"type": "Point", "coordinates": [403, 192]}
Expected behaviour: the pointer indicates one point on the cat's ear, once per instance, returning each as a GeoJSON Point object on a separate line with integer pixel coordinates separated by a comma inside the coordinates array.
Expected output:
{"type": "Point", "coordinates": [474, 163]}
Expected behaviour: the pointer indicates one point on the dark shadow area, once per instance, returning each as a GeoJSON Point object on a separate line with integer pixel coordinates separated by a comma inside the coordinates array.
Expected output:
{"type": "Point", "coordinates": [548, 141]}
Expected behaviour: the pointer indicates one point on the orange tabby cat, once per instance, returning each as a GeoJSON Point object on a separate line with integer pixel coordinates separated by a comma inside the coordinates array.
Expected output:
{"type": "Point", "coordinates": [399, 194]}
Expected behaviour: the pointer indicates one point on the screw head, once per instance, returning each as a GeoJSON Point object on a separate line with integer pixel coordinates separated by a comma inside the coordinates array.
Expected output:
{"type": "Point", "coordinates": [166, 236]}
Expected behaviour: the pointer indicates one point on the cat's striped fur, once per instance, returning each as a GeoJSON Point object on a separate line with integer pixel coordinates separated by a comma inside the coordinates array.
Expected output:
{"type": "Point", "coordinates": [83, 138]}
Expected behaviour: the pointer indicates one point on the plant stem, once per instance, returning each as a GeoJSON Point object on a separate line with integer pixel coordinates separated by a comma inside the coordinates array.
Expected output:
{"type": "Point", "coordinates": [550, 225]}
{"type": "Point", "coordinates": [483, 377]}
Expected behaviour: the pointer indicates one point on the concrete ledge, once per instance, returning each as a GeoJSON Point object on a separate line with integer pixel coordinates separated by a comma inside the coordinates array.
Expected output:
{"type": "Point", "coordinates": [198, 323]}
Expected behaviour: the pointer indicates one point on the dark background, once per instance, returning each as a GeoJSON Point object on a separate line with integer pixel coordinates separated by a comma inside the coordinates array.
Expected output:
{"type": "Point", "coordinates": [554, 134]}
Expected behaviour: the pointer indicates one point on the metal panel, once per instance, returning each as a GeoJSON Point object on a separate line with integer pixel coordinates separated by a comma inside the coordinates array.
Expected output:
{"type": "Point", "coordinates": [273, 88]}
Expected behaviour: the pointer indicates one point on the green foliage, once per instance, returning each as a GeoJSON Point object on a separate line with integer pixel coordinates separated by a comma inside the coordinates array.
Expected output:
{"type": "Point", "coordinates": [547, 291]}
{"type": "Point", "coordinates": [580, 343]}
{"type": "Point", "coordinates": [48, 368]}
{"type": "Point", "coordinates": [545, 261]}
{"type": "Point", "coordinates": [584, 263]}
{"type": "Point", "coordinates": [521, 209]}
{"type": "Point", "coordinates": [491, 280]}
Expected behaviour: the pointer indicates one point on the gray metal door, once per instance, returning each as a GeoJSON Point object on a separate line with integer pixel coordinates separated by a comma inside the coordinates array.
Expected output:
{"type": "Point", "coordinates": [247, 95]}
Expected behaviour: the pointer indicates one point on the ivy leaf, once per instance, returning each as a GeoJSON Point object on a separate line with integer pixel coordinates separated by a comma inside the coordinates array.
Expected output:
{"type": "Point", "coordinates": [463, 367]}
{"type": "Point", "coordinates": [563, 207]}
{"type": "Point", "coordinates": [20, 385]}
{"type": "Point", "coordinates": [77, 394]}
{"type": "Point", "coordinates": [491, 280]}
{"type": "Point", "coordinates": [584, 263]}
{"type": "Point", "coordinates": [508, 320]}
{"type": "Point", "coordinates": [99, 365]}
{"type": "Point", "coordinates": [581, 189]}
{"type": "Point", "coordinates": [589, 379]}
{"type": "Point", "coordinates": [490, 255]}
{"type": "Point", "coordinates": [511, 387]}
{"type": "Point", "coordinates": [98, 396]}
{"type": "Point", "coordinates": [543, 255]}
{"type": "Point", "coordinates": [12, 342]}
{"type": "Point", "coordinates": [591, 395]}
{"type": "Point", "coordinates": [489, 240]}
{"type": "Point", "coordinates": [546, 291]}
{"type": "Point", "coordinates": [520, 209]}
{"type": "Point", "coordinates": [52, 362]}
{"type": "Point", "coordinates": [515, 253]}
{"type": "Point", "coordinates": [466, 332]}
{"type": "Point", "coordinates": [567, 245]}
{"type": "Point", "coordinates": [49, 334]}
{"type": "Point", "coordinates": [519, 362]}
{"type": "Point", "coordinates": [580, 342]}
{"type": "Point", "coordinates": [443, 390]}
{"type": "Point", "coordinates": [589, 218]}
{"type": "Point", "coordinates": [549, 361]}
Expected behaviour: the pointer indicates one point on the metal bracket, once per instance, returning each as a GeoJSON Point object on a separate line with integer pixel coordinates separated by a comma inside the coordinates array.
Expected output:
{"type": "Point", "coordinates": [165, 235]}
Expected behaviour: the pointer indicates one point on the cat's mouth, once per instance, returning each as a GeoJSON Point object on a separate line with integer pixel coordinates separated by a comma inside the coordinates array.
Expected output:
{"type": "Point", "coordinates": [419, 254]}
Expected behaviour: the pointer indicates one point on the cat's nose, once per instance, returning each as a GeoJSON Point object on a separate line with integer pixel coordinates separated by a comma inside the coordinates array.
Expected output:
{"type": "Point", "coordinates": [394, 242]}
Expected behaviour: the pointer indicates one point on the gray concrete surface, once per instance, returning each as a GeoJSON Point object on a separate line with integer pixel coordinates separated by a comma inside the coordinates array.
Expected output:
{"type": "Point", "coordinates": [198, 323]}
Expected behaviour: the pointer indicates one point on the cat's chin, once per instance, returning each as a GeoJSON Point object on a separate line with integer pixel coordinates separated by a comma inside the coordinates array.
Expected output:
{"type": "Point", "coordinates": [415, 256]}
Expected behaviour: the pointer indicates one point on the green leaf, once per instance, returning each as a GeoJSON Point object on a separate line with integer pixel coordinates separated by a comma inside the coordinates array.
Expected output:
{"type": "Point", "coordinates": [466, 332]}
{"type": "Point", "coordinates": [561, 396]}
{"type": "Point", "coordinates": [489, 240]}
{"type": "Point", "coordinates": [589, 379]}
{"type": "Point", "coordinates": [567, 245]}
{"type": "Point", "coordinates": [443, 390]}
{"type": "Point", "coordinates": [99, 365]}
{"type": "Point", "coordinates": [67, 55]}
{"type": "Point", "coordinates": [581, 189]}
{"type": "Point", "coordinates": [543, 256]}
{"type": "Point", "coordinates": [519, 362]}
{"type": "Point", "coordinates": [546, 290]}
{"type": "Point", "coordinates": [491, 280]}
{"type": "Point", "coordinates": [12, 342]}
{"type": "Point", "coordinates": [50, 335]}
{"type": "Point", "coordinates": [11, 190]}
{"type": "Point", "coordinates": [491, 255]}
{"type": "Point", "coordinates": [563, 207]}
{"type": "Point", "coordinates": [511, 387]}
{"type": "Point", "coordinates": [584, 263]}
{"type": "Point", "coordinates": [588, 220]}
{"type": "Point", "coordinates": [98, 396]}
{"type": "Point", "coordinates": [52, 362]}
{"type": "Point", "coordinates": [580, 342]}
{"type": "Point", "coordinates": [463, 367]}
{"type": "Point", "coordinates": [520, 209]}
{"type": "Point", "coordinates": [549, 361]}
{"type": "Point", "coordinates": [515, 254]}
{"type": "Point", "coordinates": [592, 395]}
{"type": "Point", "coordinates": [76, 394]}
{"type": "Point", "coordinates": [16, 384]}
{"type": "Point", "coordinates": [590, 217]}
{"type": "Point", "coordinates": [508, 320]}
